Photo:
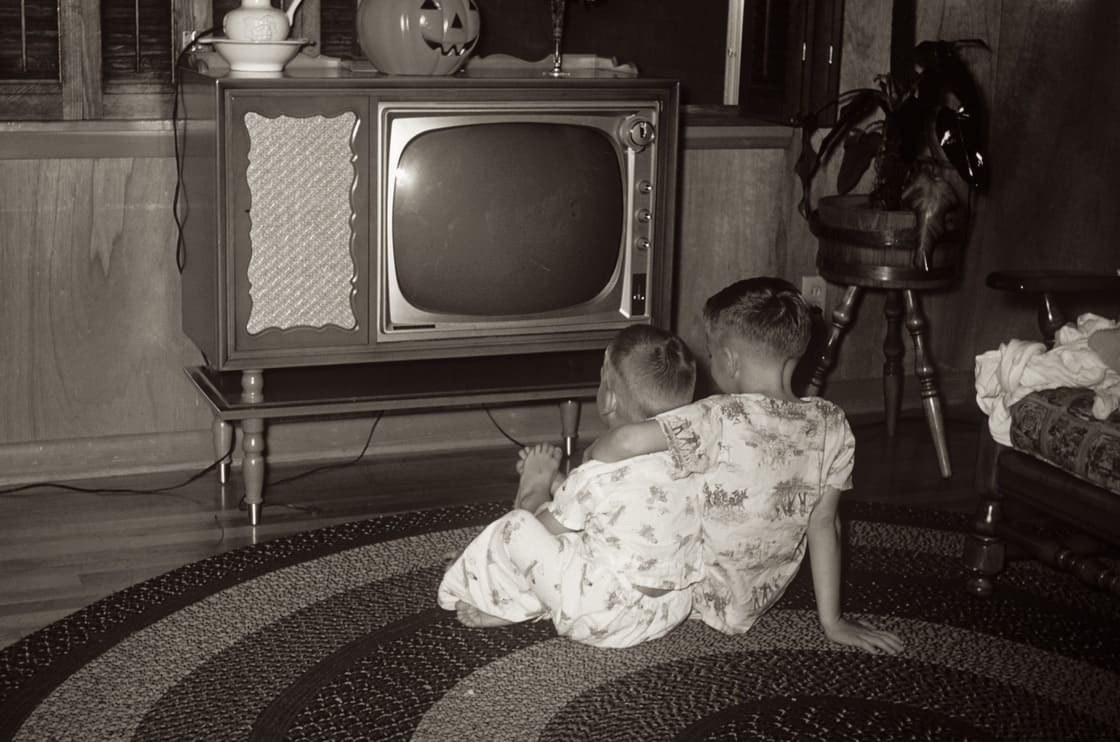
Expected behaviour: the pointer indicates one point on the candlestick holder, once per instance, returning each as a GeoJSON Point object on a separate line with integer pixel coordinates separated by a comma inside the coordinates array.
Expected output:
{"type": "Point", "coordinates": [557, 7]}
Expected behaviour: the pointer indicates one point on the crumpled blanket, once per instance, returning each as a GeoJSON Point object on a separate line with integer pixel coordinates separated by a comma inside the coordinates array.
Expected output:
{"type": "Point", "coordinates": [1019, 367]}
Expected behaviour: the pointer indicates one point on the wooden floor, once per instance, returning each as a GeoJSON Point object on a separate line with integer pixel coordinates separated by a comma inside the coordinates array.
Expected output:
{"type": "Point", "coordinates": [61, 550]}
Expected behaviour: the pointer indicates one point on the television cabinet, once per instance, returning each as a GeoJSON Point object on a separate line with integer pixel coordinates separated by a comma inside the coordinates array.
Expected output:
{"type": "Point", "coordinates": [355, 243]}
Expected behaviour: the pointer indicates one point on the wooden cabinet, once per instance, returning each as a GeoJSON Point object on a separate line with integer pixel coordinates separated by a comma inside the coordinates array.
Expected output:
{"type": "Point", "coordinates": [301, 215]}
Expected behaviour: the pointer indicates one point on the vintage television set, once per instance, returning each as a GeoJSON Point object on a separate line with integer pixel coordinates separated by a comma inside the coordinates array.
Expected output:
{"type": "Point", "coordinates": [355, 242]}
{"type": "Point", "coordinates": [334, 218]}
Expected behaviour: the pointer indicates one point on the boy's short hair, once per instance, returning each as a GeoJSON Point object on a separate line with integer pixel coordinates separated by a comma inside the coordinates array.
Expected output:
{"type": "Point", "coordinates": [766, 311]}
{"type": "Point", "coordinates": [654, 371]}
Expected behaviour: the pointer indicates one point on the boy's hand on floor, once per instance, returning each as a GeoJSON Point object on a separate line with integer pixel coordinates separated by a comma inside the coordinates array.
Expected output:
{"type": "Point", "coordinates": [861, 636]}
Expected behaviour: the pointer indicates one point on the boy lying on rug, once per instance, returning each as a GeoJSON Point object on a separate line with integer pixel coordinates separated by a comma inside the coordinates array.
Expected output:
{"type": "Point", "coordinates": [610, 559]}
{"type": "Point", "coordinates": [772, 465]}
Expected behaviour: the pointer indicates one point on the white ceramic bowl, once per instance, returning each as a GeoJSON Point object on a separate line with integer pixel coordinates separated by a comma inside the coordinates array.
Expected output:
{"type": "Point", "coordinates": [257, 56]}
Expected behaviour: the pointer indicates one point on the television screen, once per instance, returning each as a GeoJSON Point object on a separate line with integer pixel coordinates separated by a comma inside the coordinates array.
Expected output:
{"type": "Point", "coordinates": [514, 218]}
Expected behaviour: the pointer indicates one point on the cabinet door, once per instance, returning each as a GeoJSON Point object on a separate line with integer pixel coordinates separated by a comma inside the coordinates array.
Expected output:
{"type": "Point", "coordinates": [297, 175]}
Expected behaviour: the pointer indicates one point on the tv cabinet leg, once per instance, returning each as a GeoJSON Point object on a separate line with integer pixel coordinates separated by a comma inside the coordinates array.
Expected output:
{"type": "Point", "coordinates": [223, 448]}
{"type": "Point", "coordinates": [569, 425]}
{"type": "Point", "coordinates": [252, 429]}
{"type": "Point", "coordinates": [252, 467]}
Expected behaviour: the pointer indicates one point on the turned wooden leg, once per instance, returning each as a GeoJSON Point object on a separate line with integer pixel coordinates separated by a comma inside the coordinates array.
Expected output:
{"type": "Point", "coordinates": [569, 425]}
{"type": "Point", "coordinates": [252, 386]}
{"type": "Point", "coordinates": [252, 467]}
{"type": "Point", "coordinates": [223, 448]}
{"type": "Point", "coordinates": [927, 380]}
{"type": "Point", "coordinates": [892, 363]}
{"type": "Point", "coordinates": [841, 319]}
{"type": "Point", "coordinates": [984, 551]}
{"type": "Point", "coordinates": [252, 429]}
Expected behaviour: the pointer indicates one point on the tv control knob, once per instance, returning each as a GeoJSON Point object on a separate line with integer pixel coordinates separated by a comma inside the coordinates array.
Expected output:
{"type": "Point", "coordinates": [645, 187]}
{"type": "Point", "coordinates": [644, 216]}
{"type": "Point", "coordinates": [642, 243]}
{"type": "Point", "coordinates": [638, 132]}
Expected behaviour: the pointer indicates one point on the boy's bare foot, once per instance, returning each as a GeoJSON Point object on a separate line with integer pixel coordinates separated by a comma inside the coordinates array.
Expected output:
{"type": "Point", "coordinates": [468, 615]}
{"type": "Point", "coordinates": [537, 465]}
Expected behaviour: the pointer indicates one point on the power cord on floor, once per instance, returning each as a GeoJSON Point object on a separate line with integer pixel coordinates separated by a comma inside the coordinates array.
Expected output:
{"type": "Point", "coordinates": [120, 490]}
{"type": "Point", "coordinates": [501, 430]}
{"type": "Point", "coordinates": [336, 465]}
{"type": "Point", "coordinates": [168, 490]}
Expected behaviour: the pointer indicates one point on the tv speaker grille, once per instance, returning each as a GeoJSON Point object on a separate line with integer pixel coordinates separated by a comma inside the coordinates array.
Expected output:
{"type": "Point", "coordinates": [301, 271]}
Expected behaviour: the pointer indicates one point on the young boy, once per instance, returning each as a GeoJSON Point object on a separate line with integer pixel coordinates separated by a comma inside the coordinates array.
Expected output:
{"type": "Point", "coordinates": [772, 465]}
{"type": "Point", "coordinates": [611, 558]}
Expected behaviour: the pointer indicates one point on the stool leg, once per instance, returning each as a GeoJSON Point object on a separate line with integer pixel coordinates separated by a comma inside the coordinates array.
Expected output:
{"type": "Point", "coordinates": [841, 319]}
{"type": "Point", "coordinates": [892, 365]}
{"type": "Point", "coordinates": [927, 379]}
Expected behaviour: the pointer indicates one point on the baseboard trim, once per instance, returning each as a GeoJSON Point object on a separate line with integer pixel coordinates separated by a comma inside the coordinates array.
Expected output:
{"type": "Point", "coordinates": [321, 441]}
{"type": "Point", "coordinates": [316, 441]}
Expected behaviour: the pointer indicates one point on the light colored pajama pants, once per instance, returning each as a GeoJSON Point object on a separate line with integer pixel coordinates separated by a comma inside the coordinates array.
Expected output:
{"type": "Point", "coordinates": [515, 569]}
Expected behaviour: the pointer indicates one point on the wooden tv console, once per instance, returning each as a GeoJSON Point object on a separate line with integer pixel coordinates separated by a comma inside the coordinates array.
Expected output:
{"type": "Point", "coordinates": [282, 279]}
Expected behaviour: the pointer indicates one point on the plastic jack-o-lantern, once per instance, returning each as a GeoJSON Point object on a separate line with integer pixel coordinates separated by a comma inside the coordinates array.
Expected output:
{"type": "Point", "coordinates": [418, 37]}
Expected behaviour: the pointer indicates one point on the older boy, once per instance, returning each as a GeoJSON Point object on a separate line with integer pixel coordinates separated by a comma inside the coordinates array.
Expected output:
{"type": "Point", "coordinates": [610, 558]}
{"type": "Point", "coordinates": [772, 465]}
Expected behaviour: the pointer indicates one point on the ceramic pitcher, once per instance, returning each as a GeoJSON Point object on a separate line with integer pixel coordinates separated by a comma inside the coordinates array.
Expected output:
{"type": "Point", "coordinates": [257, 20]}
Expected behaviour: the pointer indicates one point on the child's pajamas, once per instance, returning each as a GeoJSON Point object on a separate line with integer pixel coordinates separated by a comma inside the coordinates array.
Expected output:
{"type": "Point", "coordinates": [633, 524]}
{"type": "Point", "coordinates": [762, 465]}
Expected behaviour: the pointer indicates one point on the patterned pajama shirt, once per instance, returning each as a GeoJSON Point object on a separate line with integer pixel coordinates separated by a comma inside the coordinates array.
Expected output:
{"type": "Point", "coordinates": [762, 465]}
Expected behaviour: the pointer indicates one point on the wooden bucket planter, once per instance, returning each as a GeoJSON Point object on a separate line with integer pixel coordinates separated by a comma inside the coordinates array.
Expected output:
{"type": "Point", "coordinates": [863, 246]}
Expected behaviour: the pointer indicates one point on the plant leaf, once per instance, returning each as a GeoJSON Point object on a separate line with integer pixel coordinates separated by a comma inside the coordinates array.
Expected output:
{"type": "Point", "coordinates": [959, 137]}
{"type": "Point", "coordinates": [860, 149]}
{"type": "Point", "coordinates": [862, 105]}
{"type": "Point", "coordinates": [808, 163]}
{"type": "Point", "coordinates": [931, 198]}
{"type": "Point", "coordinates": [910, 126]}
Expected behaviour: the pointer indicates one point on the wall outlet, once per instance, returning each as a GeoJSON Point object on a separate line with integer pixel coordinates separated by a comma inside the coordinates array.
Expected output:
{"type": "Point", "coordinates": [814, 288]}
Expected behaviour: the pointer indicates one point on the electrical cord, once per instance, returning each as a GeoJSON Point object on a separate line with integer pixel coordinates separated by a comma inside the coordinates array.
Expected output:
{"type": "Point", "coordinates": [501, 430]}
{"type": "Point", "coordinates": [180, 244]}
{"type": "Point", "coordinates": [337, 465]}
{"type": "Point", "coordinates": [119, 490]}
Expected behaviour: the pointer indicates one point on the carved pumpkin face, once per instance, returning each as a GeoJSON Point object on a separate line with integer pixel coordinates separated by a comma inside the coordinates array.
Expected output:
{"type": "Point", "coordinates": [418, 37]}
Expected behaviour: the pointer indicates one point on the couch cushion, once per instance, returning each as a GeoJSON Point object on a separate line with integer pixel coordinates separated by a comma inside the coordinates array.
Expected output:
{"type": "Point", "coordinates": [1057, 426]}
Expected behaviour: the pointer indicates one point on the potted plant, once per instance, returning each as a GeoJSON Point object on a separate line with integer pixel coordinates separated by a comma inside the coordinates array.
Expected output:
{"type": "Point", "coordinates": [932, 128]}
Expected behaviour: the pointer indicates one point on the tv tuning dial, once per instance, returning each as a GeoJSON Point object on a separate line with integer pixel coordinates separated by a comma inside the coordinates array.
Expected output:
{"type": "Point", "coordinates": [644, 216]}
{"type": "Point", "coordinates": [642, 243]}
{"type": "Point", "coordinates": [638, 132]}
{"type": "Point", "coordinates": [645, 187]}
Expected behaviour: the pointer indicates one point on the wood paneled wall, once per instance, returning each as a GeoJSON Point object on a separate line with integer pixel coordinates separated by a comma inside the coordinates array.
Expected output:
{"type": "Point", "coordinates": [1054, 146]}
{"type": "Point", "coordinates": [91, 351]}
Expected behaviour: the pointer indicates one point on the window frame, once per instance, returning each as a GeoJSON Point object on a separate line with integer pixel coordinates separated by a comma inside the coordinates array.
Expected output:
{"type": "Point", "coordinates": [813, 41]}
{"type": "Point", "coordinates": [81, 94]}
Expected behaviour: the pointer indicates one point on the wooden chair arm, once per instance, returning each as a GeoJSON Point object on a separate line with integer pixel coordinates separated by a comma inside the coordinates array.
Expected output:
{"type": "Point", "coordinates": [1048, 286]}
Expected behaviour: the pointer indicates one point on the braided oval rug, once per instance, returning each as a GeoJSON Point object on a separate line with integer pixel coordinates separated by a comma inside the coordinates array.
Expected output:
{"type": "Point", "coordinates": [334, 635]}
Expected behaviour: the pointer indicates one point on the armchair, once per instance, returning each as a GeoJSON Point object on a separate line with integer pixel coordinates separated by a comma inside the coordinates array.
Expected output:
{"type": "Point", "coordinates": [1062, 469]}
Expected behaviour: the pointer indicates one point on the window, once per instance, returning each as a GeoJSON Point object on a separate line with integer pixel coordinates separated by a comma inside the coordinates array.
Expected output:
{"type": "Point", "coordinates": [76, 60]}
{"type": "Point", "coordinates": [115, 59]}
{"type": "Point", "coordinates": [790, 62]}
